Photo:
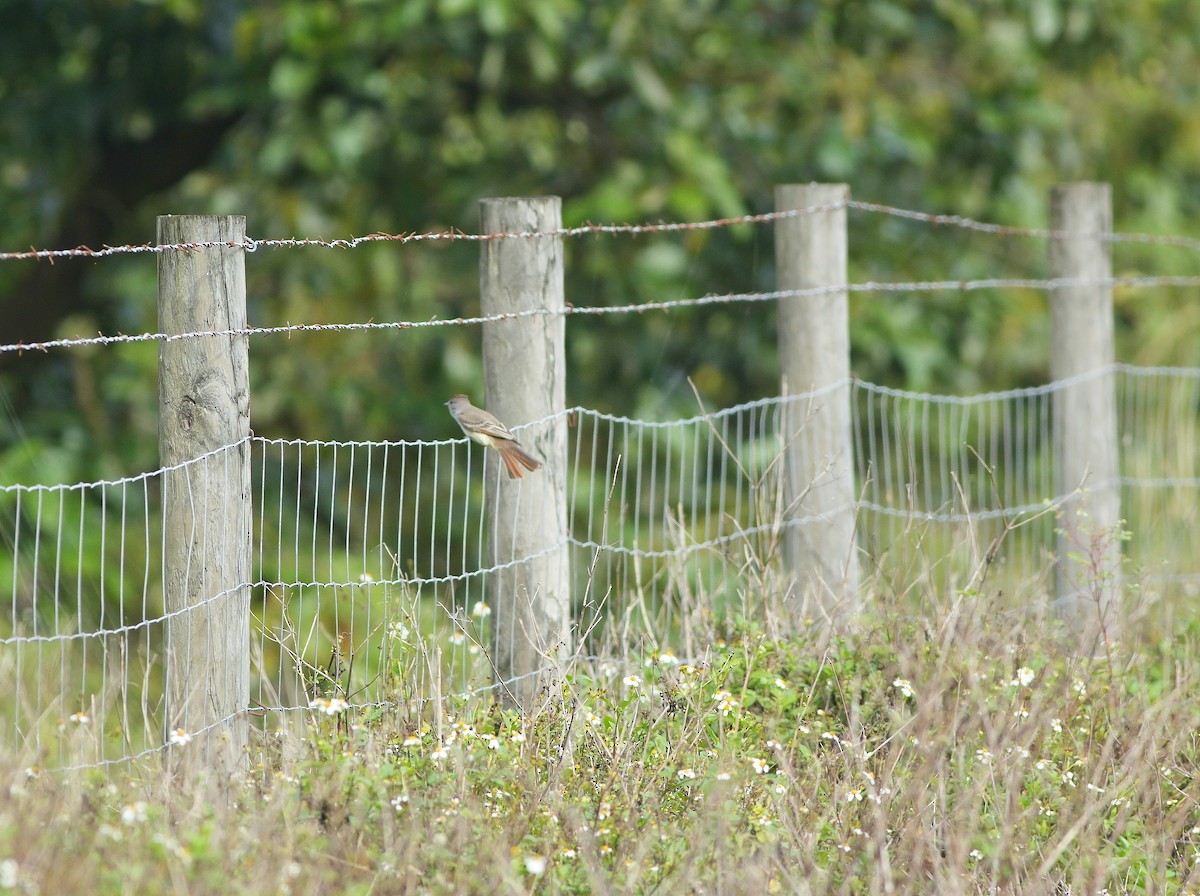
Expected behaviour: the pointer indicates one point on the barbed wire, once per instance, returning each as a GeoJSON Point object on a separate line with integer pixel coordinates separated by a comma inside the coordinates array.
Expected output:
{"type": "Point", "coordinates": [633, 308]}
{"type": "Point", "coordinates": [249, 244]}
{"type": "Point", "coordinates": [965, 223]}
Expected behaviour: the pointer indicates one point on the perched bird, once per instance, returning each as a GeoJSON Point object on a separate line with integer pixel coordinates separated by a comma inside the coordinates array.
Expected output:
{"type": "Point", "coordinates": [485, 429]}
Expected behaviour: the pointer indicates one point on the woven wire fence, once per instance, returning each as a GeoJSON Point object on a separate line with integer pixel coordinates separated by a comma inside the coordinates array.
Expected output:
{"type": "Point", "coordinates": [371, 578]}
{"type": "Point", "coordinates": [370, 575]}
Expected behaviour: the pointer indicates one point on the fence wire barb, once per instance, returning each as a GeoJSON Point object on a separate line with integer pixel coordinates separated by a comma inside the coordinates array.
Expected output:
{"type": "Point", "coordinates": [638, 308]}
{"type": "Point", "coordinates": [965, 223]}
{"type": "Point", "coordinates": [454, 235]}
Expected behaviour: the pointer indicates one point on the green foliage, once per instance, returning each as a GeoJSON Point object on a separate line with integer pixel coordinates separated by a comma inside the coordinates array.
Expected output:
{"type": "Point", "coordinates": [348, 118]}
{"type": "Point", "coordinates": [320, 118]}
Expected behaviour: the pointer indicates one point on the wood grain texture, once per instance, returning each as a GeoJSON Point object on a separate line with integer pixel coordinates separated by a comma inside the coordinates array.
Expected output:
{"type": "Point", "coordinates": [204, 405]}
{"type": "Point", "coordinates": [821, 558]}
{"type": "Point", "coordinates": [1085, 412]}
{"type": "Point", "coordinates": [525, 380]}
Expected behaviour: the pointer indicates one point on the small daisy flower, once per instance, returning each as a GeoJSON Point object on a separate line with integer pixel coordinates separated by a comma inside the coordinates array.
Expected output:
{"type": "Point", "coordinates": [330, 706]}
{"type": "Point", "coordinates": [481, 610]}
{"type": "Point", "coordinates": [686, 773]}
{"type": "Point", "coordinates": [80, 718]}
{"type": "Point", "coordinates": [761, 766]}
{"type": "Point", "coordinates": [1024, 678]}
{"type": "Point", "coordinates": [399, 631]}
{"type": "Point", "coordinates": [904, 686]}
{"type": "Point", "coordinates": [10, 874]}
{"type": "Point", "coordinates": [180, 738]}
{"type": "Point", "coordinates": [725, 702]}
{"type": "Point", "coordinates": [631, 681]}
{"type": "Point", "coordinates": [134, 813]}
{"type": "Point", "coordinates": [535, 865]}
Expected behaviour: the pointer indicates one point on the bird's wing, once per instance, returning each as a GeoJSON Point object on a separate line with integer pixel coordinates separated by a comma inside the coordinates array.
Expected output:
{"type": "Point", "coordinates": [495, 429]}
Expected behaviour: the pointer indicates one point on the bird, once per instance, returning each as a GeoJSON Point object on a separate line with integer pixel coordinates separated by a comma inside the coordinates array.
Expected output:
{"type": "Point", "coordinates": [484, 428]}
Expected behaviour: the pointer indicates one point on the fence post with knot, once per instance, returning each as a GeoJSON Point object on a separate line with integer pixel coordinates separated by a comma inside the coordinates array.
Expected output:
{"type": "Point", "coordinates": [1087, 575]}
{"type": "Point", "coordinates": [204, 425]}
{"type": "Point", "coordinates": [525, 381]}
{"type": "Point", "coordinates": [819, 551]}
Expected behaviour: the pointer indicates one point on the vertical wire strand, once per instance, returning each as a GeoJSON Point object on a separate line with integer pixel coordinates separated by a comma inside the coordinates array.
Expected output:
{"type": "Point", "coordinates": [58, 595]}
{"type": "Point", "coordinates": [101, 719]}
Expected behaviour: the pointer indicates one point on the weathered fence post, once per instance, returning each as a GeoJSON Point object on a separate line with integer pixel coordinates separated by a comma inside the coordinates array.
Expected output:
{"type": "Point", "coordinates": [820, 557]}
{"type": "Point", "coordinates": [524, 381]}
{"type": "Point", "coordinates": [1087, 576]}
{"type": "Point", "coordinates": [204, 405]}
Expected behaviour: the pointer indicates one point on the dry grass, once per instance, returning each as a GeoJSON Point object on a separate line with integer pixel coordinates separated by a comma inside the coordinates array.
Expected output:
{"type": "Point", "coordinates": [957, 753]}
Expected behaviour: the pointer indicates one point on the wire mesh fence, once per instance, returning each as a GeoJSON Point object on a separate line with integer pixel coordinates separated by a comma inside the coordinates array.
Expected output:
{"type": "Point", "coordinates": [373, 574]}
{"type": "Point", "coordinates": [371, 578]}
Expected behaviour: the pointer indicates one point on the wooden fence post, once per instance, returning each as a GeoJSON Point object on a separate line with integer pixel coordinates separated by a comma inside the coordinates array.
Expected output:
{"type": "Point", "coordinates": [204, 405]}
{"type": "Point", "coordinates": [1087, 576]}
{"type": "Point", "coordinates": [524, 381]}
{"type": "Point", "coordinates": [821, 557]}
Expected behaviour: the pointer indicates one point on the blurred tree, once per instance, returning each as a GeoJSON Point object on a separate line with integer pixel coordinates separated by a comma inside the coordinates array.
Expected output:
{"type": "Point", "coordinates": [322, 118]}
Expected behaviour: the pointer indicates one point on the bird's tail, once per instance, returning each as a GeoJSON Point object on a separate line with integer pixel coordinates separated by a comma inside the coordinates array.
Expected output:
{"type": "Point", "coordinates": [515, 457]}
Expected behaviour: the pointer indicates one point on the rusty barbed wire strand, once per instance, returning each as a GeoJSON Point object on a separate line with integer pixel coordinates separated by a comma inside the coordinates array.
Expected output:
{"type": "Point", "coordinates": [638, 308]}
{"type": "Point", "coordinates": [252, 245]}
